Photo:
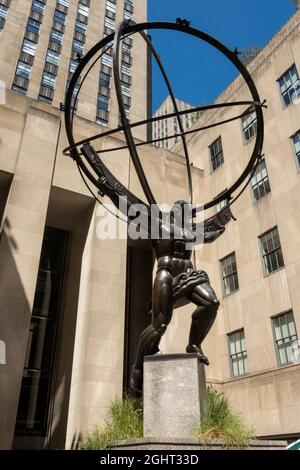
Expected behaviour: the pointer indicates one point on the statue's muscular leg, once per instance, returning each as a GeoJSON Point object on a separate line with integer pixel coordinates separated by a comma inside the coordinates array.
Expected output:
{"type": "Point", "coordinates": [202, 318]}
{"type": "Point", "coordinates": [162, 309]}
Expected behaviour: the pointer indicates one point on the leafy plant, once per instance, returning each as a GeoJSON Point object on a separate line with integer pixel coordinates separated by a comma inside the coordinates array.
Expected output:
{"type": "Point", "coordinates": [220, 421]}
{"type": "Point", "coordinates": [123, 421]}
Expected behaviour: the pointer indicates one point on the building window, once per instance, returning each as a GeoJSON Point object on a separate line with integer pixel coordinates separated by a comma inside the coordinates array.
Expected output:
{"type": "Point", "coordinates": [79, 41]}
{"type": "Point", "coordinates": [127, 101]}
{"type": "Point", "coordinates": [48, 80]}
{"type": "Point", "coordinates": [110, 6]}
{"type": "Point", "coordinates": [296, 144]}
{"type": "Point", "coordinates": [109, 23]}
{"type": "Point", "coordinates": [126, 48]}
{"type": "Point", "coordinates": [80, 27]}
{"type": "Point", "coordinates": [38, 7]}
{"type": "Point", "coordinates": [126, 69]}
{"type": "Point", "coordinates": [103, 102]}
{"type": "Point", "coordinates": [33, 26]}
{"type": "Point", "coordinates": [28, 47]}
{"type": "Point", "coordinates": [260, 182]}
{"type": "Point", "coordinates": [126, 58]}
{"type": "Point", "coordinates": [128, 40]}
{"type": "Point", "coordinates": [106, 60]}
{"type": "Point", "coordinates": [216, 154]}
{"type": "Point", "coordinates": [53, 53]}
{"type": "Point", "coordinates": [59, 17]}
{"type": "Point", "coordinates": [238, 353]}
{"type": "Point", "coordinates": [249, 124]}
{"type": "Point", "coordinates": [110, 14]}
{"type": "Point", "coordinates": [83, 9]}
{"type": "Point", "coordinates": [102, 116]}
{"type": "Point", "coordinates": [35, 392]}
{"type": "Point", "coordinates": [56, 36]}
{"type": "Point", "coordinates": [3, 10]}
{"type": "Point", "coordinates": [289, 85]}
{"type": "Point", "coordinates": [229, 274]}
{"type": "Point", "coordinates": [104, 79]}
{"type": "Point", "coordinates": [127, 15]}
{"type": "Point", "coordinates": [78, 46]}
{"type": "Point", "coordinates": [52, 57]}
{"type": "Point", "coordinates": [125, 89]}
{"type": "Point", "coordinates": [271, 251]}
{"type": "Point", "coordinates": [23, 70]}
{"type": "Point", "coordinates": [73, 66]}
{"type": "Point", "coordinates": [285, 335]}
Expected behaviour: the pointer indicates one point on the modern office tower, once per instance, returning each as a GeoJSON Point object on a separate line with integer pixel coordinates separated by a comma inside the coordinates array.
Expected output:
{"type": "Point", "coordinates": [168, 127]}
{"type": "Point", "coordinates": [42, 41]}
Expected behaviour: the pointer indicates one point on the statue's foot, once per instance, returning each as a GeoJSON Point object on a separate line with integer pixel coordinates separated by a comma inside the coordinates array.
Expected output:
{"type": "Point", "coordinates": [136, 382]}
{"type": "Point", "coordinates": [192, 349]}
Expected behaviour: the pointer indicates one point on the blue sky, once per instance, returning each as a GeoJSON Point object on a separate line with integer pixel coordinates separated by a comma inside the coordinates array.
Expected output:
{"type": "Point", "coordinates": [197, 72]}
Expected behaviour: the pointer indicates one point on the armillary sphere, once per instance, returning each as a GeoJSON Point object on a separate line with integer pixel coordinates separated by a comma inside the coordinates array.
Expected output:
{"type": "Point", "coordinates": [114, 40]}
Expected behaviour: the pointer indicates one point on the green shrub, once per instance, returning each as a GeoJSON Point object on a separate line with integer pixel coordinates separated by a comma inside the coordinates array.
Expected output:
{"type": "Point", "coordinates": [220, 421]}
{"type": "Point", "coordinates": [123, 421]}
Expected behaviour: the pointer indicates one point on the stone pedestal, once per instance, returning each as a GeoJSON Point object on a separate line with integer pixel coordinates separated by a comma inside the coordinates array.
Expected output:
{"type": "Point", "coordinates": [173, 388]}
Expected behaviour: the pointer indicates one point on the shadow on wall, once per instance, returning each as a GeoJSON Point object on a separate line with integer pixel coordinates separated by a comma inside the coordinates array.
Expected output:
{"type": "Point", "coordinates": [15, 316]}
{"type": "Point", "coordinates": [71, 212]}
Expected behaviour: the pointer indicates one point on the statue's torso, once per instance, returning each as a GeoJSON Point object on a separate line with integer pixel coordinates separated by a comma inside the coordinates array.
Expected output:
{"type": "Point", "coordinates": [174, 254]}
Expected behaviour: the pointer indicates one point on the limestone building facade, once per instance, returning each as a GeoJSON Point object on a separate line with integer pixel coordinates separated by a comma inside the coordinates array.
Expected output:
{"type": "Point", "coordinates": [254, 266]}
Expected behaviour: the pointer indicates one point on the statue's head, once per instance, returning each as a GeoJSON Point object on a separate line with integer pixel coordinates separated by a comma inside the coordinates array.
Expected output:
{"type": "Point", "coordinates": [180, 213]}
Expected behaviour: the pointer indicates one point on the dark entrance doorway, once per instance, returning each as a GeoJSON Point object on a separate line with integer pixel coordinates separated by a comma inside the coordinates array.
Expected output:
{"type": "Point", "coordinates": [35, 393]}
{"type": "Point", "coordinates": [138, 297]}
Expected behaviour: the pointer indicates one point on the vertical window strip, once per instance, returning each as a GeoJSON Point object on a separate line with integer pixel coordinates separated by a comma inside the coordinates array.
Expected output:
{"type": "Point", "coordinates": [4, 7]}
{"type": "Point", "coordinates": [103, 96]}
{"type": "Point", "coordinates": [78, 44]}
{"type": "Point", "coordinates": [29, 45]}
{"type": "Point", "coordinates": [51, 64]}
{"type": "Point", "coordinates": [126, 58]}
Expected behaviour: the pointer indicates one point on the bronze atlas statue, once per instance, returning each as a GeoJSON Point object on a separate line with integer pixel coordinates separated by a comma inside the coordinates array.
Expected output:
{"type": "Point", "coordinates": [176, 282]}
